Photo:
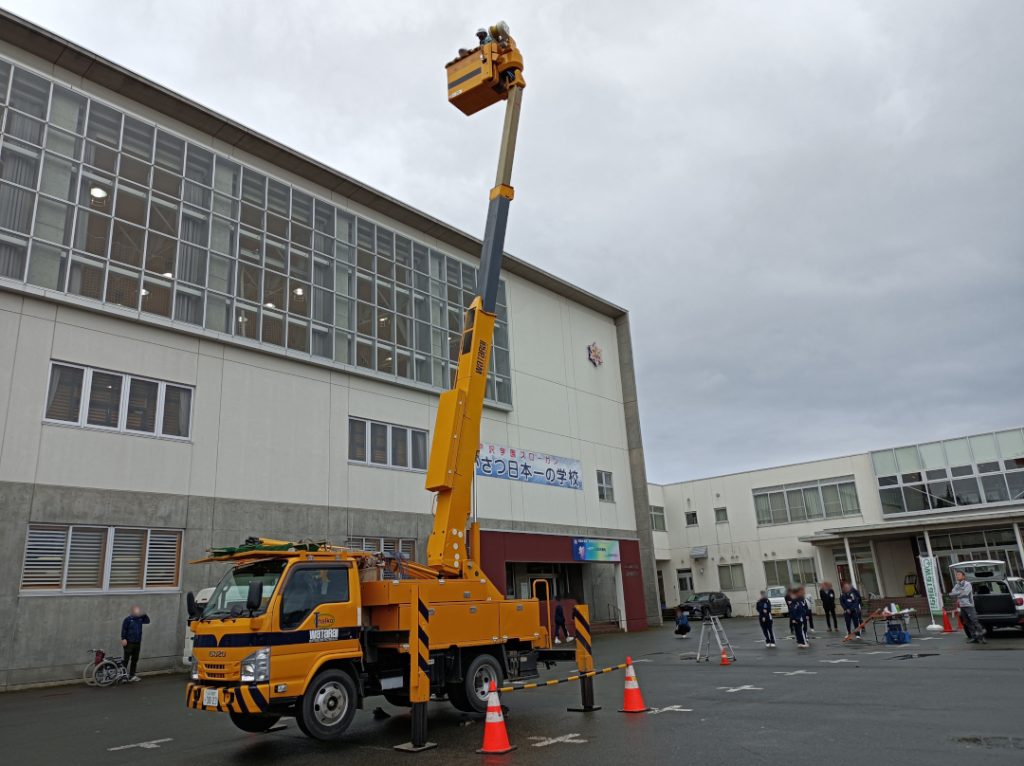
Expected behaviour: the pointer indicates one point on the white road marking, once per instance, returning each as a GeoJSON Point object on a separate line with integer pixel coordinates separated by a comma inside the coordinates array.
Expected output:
{"type": "Point", "coordinates": [568, 739]}
{"type": "Point", "coordinates": [797, 673]}
{"type": "Point", "coordinates": [836, 662]}
{"type": "Point", "coordinates": [641, 660]}
{"type": "Point", "coordinates": [151, 745]}
{"type": "Point", "coordinates": [879, 652]}
{"type": "Point", "coordinates": [669, 709]}
{"type": "Point", "coordinates": [743, 688]}
{"type": "Point", "coordinates": [931, 638]}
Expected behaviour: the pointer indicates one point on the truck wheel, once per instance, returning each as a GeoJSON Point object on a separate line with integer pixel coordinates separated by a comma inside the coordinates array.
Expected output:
{"type": "Point", "coordinates": [470, 696]}
{"type": "Point", "coordinates": [328, 706]}
{"type": "Point", "coordinates": [254, 723]}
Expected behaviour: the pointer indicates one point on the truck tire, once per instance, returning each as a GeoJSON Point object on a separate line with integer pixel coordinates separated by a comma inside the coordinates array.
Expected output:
{"type": "Point", "coordinates": [470, 695]}
{"type": "Point", "coordinates": [326, 709]}
{"type": "Point", "coordinates": [254, 723]}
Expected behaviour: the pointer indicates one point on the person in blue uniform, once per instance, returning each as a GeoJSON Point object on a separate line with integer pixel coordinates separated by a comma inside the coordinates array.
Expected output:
{"type": "Point", "coordinates": [764, 619]}
{"type": "Point", "coordinates": [682, 623]}
{"type": "Point", "coordinates": [798, 618]}
{"type": "Point", "coordinates": [851, 603]}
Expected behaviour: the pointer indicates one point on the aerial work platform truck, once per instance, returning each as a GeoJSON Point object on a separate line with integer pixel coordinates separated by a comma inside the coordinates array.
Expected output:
{"type": "Point", "coordinates": [308, 629]}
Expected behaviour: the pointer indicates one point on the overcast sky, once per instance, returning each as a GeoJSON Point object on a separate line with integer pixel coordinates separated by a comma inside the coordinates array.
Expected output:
{"type": "Point", "coordinates": [813, 211]}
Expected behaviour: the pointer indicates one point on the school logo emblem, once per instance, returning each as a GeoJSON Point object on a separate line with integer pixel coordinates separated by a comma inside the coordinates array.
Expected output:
{"type": "Point", "coordinates": [594, 354]}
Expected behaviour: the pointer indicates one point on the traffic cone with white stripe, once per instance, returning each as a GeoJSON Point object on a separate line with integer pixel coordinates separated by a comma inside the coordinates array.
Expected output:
{"type": "Point", "coordinates": [632, 700]}
{"type": "Point", "coordinates": [495, 737]}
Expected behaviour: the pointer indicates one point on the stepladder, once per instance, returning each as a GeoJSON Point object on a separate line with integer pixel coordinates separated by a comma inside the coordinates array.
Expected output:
{"type": "Point", "coordinates": [711, 627]}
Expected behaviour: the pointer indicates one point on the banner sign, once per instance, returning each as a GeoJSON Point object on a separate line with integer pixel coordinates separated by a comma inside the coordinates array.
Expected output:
{"type": "Point", "coordinates": [932, 587]}
{"type": "Point", "coordinates": [500, 462]}
{"type": "Point", "coordinates": [587, 549]}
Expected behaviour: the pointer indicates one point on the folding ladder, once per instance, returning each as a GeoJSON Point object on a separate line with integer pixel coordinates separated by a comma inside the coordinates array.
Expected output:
{"type": "Point", "coordinates": [712, 626]}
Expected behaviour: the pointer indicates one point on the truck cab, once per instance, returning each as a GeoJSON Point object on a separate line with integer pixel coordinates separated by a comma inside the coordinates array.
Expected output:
{"type": "Point", "coordinates": [273, 624]}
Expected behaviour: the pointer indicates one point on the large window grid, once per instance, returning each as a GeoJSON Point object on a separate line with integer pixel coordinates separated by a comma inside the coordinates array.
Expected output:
{"type": "Point", "coordinates": [77, 558]}
{"type": "Point", "coordinates": [658, 518]}
{"type": "Point", "coordinates": [790, 572]}
{"type": "Point", "coordinates": [730, 577]}
{"type": "Point", "coordinates": [808, 501]}
{"type": "Point", "coordinates": [98, 204]}
{"type": "Point", "coordinates": [117, 402]}
{"type": "Point", "coordinates": [983, 469]}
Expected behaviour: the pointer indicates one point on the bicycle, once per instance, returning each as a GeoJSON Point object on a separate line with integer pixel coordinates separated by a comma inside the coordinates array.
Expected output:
{"type": "Point", "coordinates": [89, 671]}
{"type": "Point", "coordinates": [112, 670]}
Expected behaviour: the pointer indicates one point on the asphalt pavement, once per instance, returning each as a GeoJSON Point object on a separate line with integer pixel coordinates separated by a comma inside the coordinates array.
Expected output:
{"type": "Point", "coordinates": [934, 701]}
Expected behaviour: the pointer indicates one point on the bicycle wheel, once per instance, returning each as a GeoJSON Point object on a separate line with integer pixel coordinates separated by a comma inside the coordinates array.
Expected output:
{"type": "Point", "coordinates": [89, 673]}
{"type": "Point", "coordinates": [107, 672]}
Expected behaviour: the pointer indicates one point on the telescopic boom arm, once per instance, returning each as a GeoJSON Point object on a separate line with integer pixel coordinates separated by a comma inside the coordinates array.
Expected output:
{"type": "Point", "coordinates": [479, 77]}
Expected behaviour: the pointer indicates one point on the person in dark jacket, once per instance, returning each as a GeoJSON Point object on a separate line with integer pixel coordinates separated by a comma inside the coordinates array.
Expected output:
{"type": "Point", "coordinates": [131, 639]}
{"type": "Point", "coordinates": [764, 619]}
{"type": "Point", "coordinates": [789, 603]}
{"type": "Point", "coordinates": [560, 622]}
{"type": "Point", "coordinates": [682, 623]}
{"type": "Point", "coordinates": [798, 618]}
{"type": "Point", "coordinates": [828, 605]}
{"type": "Point", "coordinates": [851, 603]}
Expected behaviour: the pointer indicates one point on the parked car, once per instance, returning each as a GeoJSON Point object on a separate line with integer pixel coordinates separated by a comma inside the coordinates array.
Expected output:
{"type": "Point", "coordinates": [998, 599]}
{"type": "Point", "coordinates": [777, 596]}
{"type": "Point", "coordinates": [706, 603]}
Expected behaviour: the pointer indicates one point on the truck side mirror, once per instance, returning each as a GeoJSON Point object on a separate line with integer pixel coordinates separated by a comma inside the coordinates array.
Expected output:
{"type": "Point", "coordinates": [192, 607]}
{"type": "Point", "coordinates": [254, 599]}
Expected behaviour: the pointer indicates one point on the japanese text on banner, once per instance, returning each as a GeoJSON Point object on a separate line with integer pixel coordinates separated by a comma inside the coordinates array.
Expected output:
{"type": "Point", "coordinates": [499, 461]}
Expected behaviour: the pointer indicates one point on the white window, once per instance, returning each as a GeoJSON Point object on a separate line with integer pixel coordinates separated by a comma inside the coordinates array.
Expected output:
{"type": "Point", "coordinates": [117, 402]}
{"type": "Point", "coordinates": [403, 548]}
{"type": "Point", "coordinates": [825, 498]}
{"type": "Point", "coordinates": [691, 518]}
{"type": "Point", "coordinates": [730, 577]}
{"type": "Point", "coordinates": [605, 491]}
{"type": "Point", "coordinates": [74, 558]}
{"type": "Point", "coordinates": [721, 515]}
{"type": "Point", "coordinates": [386, 445]}
{"type": "Point", "coordinates": [658, 518]}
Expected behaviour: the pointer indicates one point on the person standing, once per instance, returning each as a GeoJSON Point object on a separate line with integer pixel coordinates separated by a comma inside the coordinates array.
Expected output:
{"type": "Point", "coordinates": [798, 619]}
{"type": "Point", "coordinates": [828, 605]}
{"type": "Point", "coordinates": [560, 622]}
{"type": "Point", "coordinates": [809, 601]}
{"type": "Point", "coordinates": [131, 639]}
{"type": "Point", "coordinates": [764, 619]}
{"type": "Point", "coordinates": [963, 592]}
{"type": "Point", "coordinates": [851, 603]}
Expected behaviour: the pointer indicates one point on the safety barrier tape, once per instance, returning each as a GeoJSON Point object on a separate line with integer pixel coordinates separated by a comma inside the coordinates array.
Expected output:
{"type": "Point", "coordinates": [556, 681]}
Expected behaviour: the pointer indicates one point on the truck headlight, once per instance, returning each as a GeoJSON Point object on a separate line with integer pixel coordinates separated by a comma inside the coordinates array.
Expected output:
{"type": "Point", "coordinates": [256, 667]}
{"type": "Point", "coordinates": [193, 667]}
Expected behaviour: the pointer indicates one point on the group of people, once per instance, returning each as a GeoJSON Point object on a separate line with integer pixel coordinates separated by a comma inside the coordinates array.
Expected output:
{"type": "Point", "coordinates": [801, 613]}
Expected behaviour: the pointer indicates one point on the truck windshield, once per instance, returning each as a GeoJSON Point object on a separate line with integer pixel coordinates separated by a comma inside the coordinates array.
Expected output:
{"type": "Point", "coordinates": [228, 599]}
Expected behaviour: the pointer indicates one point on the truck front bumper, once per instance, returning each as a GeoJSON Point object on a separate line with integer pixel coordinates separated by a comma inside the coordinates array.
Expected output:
{"type": "Point", "coordinates": [248, 699]}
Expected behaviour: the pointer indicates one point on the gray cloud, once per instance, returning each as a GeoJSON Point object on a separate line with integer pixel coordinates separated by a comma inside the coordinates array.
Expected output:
{"type": "Point", "coordinates": [812, 210]}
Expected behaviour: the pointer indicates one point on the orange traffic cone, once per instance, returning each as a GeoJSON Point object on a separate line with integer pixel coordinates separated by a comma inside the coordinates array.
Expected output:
{"type": "Point", "coordinates": [495, 737]}
{"type": "Point", "coordinates": [725, 658]}
{"type": "Point", "coordinates": [632, 700]}
{"type": "Point", "coordinates": [947, 627]}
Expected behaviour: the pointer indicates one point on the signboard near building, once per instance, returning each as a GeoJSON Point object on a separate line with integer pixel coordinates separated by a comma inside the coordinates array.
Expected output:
{"type": "Point", "coordinates": [588, 549]}
{"type": "Point", "coordinates": [498, 461]}
{"type": "Point", "coordinates": [930, 575]}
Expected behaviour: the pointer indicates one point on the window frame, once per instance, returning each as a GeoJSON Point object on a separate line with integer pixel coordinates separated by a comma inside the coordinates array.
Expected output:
{"type": "Point", "coordinates": [605, 486]}
{"type": "Point", "coordinates": [105, 565]}
{"type": "Point", "coordinates": [368, 424]}
{"type": "Point", "coordinates": [732, 585]}
{"type": "Point", "coordinates": [724, 515]}
{"type": "Point", "coordinates": [658, 512]}
{"type": "Point", "coordinates": [122, 411]}
{"type": "Point", "coordinates": [696, 519]}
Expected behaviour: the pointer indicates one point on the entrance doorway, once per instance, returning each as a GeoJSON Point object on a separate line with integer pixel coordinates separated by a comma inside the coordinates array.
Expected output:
{"type": "Point", "coordinates": [685, 579]}
{"type": "Point", "coordinates": [661, 589]}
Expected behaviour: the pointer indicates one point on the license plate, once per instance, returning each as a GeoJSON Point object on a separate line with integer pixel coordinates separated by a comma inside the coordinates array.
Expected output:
{"type": "Point", "coordinates": [209, 697]}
